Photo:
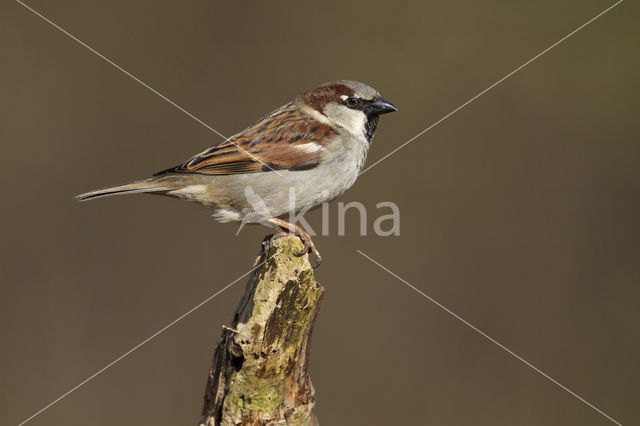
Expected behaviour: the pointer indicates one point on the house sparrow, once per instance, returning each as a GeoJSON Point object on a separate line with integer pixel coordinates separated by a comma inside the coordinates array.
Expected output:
{"type": "Point", "coordinates": [303, 154]}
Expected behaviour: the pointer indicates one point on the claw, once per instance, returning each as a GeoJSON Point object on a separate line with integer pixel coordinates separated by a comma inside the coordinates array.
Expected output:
{"type": "Point", "coordinates": [318, 260]}
{"type": "Point", "coordinates": [306, 249]}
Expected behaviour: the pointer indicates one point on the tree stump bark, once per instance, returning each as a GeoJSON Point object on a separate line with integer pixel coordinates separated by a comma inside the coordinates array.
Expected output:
{"type": "Point", "coordinates": [259, 374]}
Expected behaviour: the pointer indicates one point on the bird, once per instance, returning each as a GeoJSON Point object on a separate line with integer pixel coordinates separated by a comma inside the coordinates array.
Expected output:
{"type": "Point", "coordinates": [305, 153]}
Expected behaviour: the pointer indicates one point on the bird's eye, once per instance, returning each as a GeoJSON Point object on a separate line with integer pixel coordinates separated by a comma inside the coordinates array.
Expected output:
{"type": "Point", "coordinates": [351, 102]}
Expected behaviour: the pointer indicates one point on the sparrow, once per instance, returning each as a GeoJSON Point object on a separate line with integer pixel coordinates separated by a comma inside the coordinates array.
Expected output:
{"type": "Point", "coordinates": [305, 153]}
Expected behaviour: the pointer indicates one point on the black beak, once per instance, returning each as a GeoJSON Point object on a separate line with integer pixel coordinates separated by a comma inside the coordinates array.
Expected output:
{"type": "Point", "coordinates": [379, 106]}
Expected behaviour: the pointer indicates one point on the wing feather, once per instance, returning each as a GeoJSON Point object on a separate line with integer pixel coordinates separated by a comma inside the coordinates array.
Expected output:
{"type": "Point", "coordinates": [287, 139]}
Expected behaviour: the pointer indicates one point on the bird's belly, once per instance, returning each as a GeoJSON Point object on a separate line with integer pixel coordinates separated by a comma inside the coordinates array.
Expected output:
{"type": "Point", "coordinates": [260, 196]}
{"type": "Point", "coordinates": [267, 195]}
{"type": "Point", "coordinates": [255, 197]}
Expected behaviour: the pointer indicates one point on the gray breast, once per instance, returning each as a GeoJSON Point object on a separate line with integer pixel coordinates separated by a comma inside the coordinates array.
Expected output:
{"type": "Point", "coordinates": [259, 196]}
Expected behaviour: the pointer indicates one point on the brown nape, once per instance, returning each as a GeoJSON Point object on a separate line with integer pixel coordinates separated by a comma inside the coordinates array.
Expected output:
{"type": "Point", "coordinates": [319, 97]}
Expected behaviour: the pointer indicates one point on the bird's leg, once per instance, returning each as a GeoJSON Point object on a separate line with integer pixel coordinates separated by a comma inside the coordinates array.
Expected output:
{"type": "Point", "coordinates": [298, 230]}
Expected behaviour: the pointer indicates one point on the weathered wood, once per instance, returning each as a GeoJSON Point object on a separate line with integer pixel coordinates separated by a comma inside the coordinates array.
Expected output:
{"type": "Point", "coordinates": [259, 374]}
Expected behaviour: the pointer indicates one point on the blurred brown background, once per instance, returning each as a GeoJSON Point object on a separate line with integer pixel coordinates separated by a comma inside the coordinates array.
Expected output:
{"type": "Point", "coordinates": [520, 213]}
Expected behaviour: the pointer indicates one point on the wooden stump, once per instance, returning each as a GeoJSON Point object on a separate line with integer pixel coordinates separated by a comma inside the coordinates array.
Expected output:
{"type": "Point", "coordinates": [259, 374]}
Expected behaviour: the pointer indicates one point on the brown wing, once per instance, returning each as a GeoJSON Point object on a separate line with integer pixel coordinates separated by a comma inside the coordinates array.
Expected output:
{"type": "Point", "coordinates": [286, 139]}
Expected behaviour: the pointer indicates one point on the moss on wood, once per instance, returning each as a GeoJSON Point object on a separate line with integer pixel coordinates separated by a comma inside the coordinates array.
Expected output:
{"type": "Point", "coordinates": [259, 375]}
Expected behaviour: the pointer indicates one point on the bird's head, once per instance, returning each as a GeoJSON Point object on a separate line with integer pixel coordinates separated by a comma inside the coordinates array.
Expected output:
{"type": "Point", "coordinates": [348, 106]}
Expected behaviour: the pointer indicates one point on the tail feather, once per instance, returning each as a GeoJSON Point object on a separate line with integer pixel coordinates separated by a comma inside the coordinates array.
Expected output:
{"type": "Point", "coordinates": [141, 186]}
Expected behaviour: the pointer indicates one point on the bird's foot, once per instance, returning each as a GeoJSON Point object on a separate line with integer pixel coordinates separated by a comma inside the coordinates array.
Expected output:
{"type": "Point", "coordinates": [309, 247]}
{"type": "Point", "coordinates": [293, 229]}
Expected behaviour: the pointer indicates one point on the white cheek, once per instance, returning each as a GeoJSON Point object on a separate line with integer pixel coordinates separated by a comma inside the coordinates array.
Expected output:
{"type": "Point", "coordinates": [350, 119]}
